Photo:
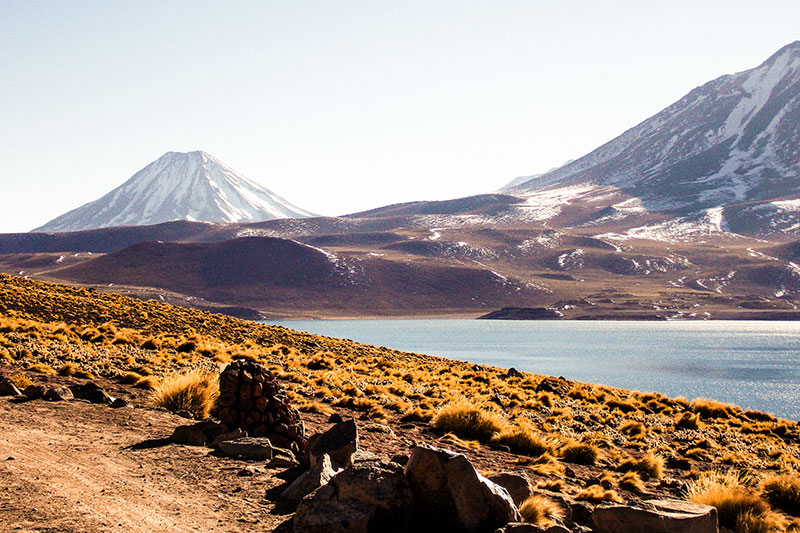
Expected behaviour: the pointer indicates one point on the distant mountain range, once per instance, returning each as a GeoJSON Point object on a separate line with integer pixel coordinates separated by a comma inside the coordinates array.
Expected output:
{"type": "Point", "coordinates": [191, 186]}
{"type": "Point", "coordinates": [694, 213]}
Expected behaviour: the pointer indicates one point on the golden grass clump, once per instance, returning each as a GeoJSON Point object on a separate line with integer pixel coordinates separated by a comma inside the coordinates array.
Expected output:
{"type": "Point", "coordinates": [596, 493]}
{"type": "Point", "coordinates": [688, 420]}
{"type": "Point", "coordinates": [730, 495]}
{"type": "Point", "coordinates": [67, 369]}
{"type": "Point", "coordinates": [580, 453]}
{"type": "Point", "coordinates": [632, 482]}
{"type": "Point", "coordinates": [194, 391]}
{"type": "Point", "coordinates": [540, 510]}
{"type": "Point", "coordinates": [782, 491]}
{"type": "Point", "coordinates": [521, 438]}
{"type": "Point", "coordinates": [649, 465]}
{"type": "Point", "coordinates": [42, 369]}
{"type": "Point", "coordinates": [713, 409]}
{"type": "Point", "coordinates": [469, 421]}
{"type": "Point", "coordinates": [633, 429]}
{"type": "Point", "coordinates": [21, 381]}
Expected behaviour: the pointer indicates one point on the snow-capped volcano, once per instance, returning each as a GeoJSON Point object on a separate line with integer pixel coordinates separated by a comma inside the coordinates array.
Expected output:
{"type": "Point", "coordinates": [735, 139]}
{"type": "Point", "coordinates": [179, 186]}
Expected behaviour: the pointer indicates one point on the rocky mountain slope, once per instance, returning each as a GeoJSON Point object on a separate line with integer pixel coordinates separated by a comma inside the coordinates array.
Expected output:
{"type": "Point", "coordinates": [734, 141]}
{"type": "Point", "coordinates": [192, 186]}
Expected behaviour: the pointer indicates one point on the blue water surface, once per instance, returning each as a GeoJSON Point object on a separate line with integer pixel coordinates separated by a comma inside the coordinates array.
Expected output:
{"type": "Point", "coordinates": [754, 364]}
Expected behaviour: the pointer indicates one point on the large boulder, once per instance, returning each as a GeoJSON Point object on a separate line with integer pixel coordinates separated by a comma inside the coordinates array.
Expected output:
{"type": "Point", "coordinates": [449, 495]}
{"type": "Point", "coordinates": [340, 442]}
{"type": "Point", "coordinates": [367, 497]}
{"type": "Point", "coordinates": [656, 516]}
{"type": "Point", "coordinates": [309, 481]}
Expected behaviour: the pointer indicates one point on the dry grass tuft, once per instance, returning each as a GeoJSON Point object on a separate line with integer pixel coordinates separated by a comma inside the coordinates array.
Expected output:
{"type": "Point", "coordinates": [469, 421]}
{"type": "Point", "coordinates": [632, 482]}
{"type": "Point", "coordinates": [648, 466]}
{"type": "Point", "coordinates": [596, 493]}
{"type": "Point", "coordinates": [580, 453]}
{"type": "Point", "coordinates": [21, 381]}
{"type": "Point", "coordinates": [729, 494]}
{"type": "Point", "coordinates": [540, 510]}
{"type": "Point", "coordinates": [713, 409]}
{"type": "Point", "coordinates": [194, 391]}
{"type": "Point", "coordinates": [782, 491]}
{"type": "Point", "coordinates": [42, 369]}
{"type": "Point", "coordinates": [521, 438]}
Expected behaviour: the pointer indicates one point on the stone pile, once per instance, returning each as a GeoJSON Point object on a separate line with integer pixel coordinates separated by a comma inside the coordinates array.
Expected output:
{"type": "Point", "coordinates": [251, 399]}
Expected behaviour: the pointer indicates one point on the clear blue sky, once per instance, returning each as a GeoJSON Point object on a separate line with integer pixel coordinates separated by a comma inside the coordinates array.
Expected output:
{"type": "Point", "coordinates": [341, 106]}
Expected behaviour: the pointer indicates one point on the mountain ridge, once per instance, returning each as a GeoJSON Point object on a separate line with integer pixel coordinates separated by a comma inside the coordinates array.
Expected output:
{"type": "Point", "coordinates": [732, 139]}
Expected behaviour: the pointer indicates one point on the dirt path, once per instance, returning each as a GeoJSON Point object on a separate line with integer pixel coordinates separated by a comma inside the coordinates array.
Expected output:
{"type": "Point", "coordinates": [76, 467]}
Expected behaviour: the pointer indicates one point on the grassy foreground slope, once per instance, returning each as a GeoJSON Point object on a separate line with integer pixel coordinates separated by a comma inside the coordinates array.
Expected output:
{"type": "Point", "coordinates": [579, 441]}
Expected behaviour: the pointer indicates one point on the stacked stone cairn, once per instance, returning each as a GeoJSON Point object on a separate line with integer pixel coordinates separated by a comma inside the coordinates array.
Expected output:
{"type": "Point", "coordinates": [251, 399]}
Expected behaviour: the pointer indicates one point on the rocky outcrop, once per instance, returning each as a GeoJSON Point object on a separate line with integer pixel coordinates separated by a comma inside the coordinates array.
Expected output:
{"type": "Point", "coordinates": [518, 485]}
{"type": "Point", "coordinates": [452, 496]}
{"type": "Point", "coordinates": [322, 472]}
{"type": "Point", "coordinates": [340, 442]}
{"type": "Point", "coordinates": [364, 498]}
{"type": "Point", "coordinates": [91, 392]}
{"type": "Point", "coordinates": [7, 387]}
{"type": "Point", "coordinates": [251, 399]}
{"type": "Point", "coordinates": [656, 516]}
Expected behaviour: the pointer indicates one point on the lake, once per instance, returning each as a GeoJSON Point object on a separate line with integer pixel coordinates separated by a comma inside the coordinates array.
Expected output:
{"type": "Point", "coordinates": [753, 364]}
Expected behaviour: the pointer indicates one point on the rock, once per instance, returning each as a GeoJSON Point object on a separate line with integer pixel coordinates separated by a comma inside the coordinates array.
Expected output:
{"type": "Point", "coordinates": [91, 392]}
{"type": "Point", "coordinates": [518, 485]}
{"type": "Point", "coordinates": [34, 391]}
{"type": "Point", "coordinates": [249, 471]}
{"type": "Point", "coordinates": [247, 448]}
{"type": "Point", "coordinates": [378, 428]}
{"type": "Point", "coordinates": [58, 393]}
{"type": "Point", "coordinates": [280, 462]}
{"type": "Point", "coordinates": [581, 513]}
{"type": "Point", "coordinates": [363, 498]}
{"type": "Point", "coordinates": [231, 435]}
{"type": "Point", "coordinates": [449, 495]}
{"type": "Point", "coordinates": [400, 458]}
{"type": "Point", "coordinates": [199, 434]}
{"type": "Point", "coordinates": [251, 399]}
{"type": "Point", "coordinates": [340, 442]}
{"type": "Point", "coordinates": [335, 418]}
{"type": "Point", "coordinates": [7, 387]}
{"type": "Point", "coordinates": [656, 516]}
{"type": "Point", "coordinates": [117, 403]}
{"type": "Point", "coordinates": [311, 480]}
{"type": "Point", "coordinates": [522, 527]}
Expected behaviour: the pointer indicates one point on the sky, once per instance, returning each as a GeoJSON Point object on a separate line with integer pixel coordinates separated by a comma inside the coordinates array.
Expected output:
{"type": "Point", "coordinates": [342, 106]}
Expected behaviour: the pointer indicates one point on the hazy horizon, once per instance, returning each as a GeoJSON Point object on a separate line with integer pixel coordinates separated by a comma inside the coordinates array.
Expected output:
{"type": "Point", "coordinates": [348, 106]}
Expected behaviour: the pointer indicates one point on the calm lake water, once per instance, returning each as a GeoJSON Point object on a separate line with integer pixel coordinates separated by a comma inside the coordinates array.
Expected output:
{"type": "Point", "coordinates": [754, 364]}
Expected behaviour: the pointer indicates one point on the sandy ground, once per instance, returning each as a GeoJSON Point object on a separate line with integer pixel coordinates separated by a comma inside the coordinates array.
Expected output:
{"type": "Point", "coordinates": [79, 467]}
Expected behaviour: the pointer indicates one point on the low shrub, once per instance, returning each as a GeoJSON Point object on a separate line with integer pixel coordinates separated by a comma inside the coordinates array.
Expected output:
{"type": "Point", "coordinates": [540, 510]}
{"type": "Point", "coordinates": [521, 438]}
{"type": "Point", "coordinates": [194, 391]}
{"type": "Point", "coordinates": [649, 465]}
{"type": "Point", "coordinates": [729, 494]}
{"type": "Point", "coordinates": [469, 421]}
{"type": "Point", "coordinates": [782, 491]}
{"type": "Point", "coordinates": [596, 493]}
{"type": "Point", "coordinates": [580, 453]}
